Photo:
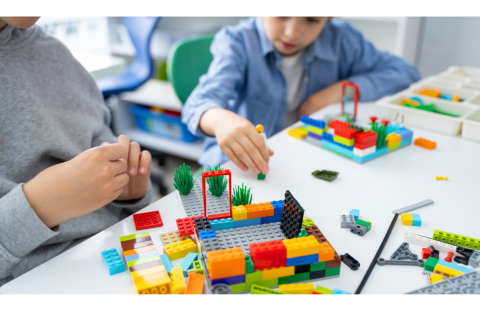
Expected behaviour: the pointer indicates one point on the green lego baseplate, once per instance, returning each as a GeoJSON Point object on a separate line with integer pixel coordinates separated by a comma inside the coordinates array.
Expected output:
{"type": "Point", "coordinates": [456, 239]}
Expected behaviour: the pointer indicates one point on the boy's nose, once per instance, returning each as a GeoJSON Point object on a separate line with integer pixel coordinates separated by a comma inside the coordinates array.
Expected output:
{"type": "Point", "coordinates": [292, 29]}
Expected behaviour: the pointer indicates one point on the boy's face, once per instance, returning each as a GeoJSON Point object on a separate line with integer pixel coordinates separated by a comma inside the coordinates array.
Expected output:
{"type": "Point", "coordinates": [20, 22]}
{"type": "Point", "coordinates": [291, 34]}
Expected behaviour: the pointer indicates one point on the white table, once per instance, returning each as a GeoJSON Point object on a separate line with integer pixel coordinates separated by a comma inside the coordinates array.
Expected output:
{"type": "Point", "coordinates": [378, 187]}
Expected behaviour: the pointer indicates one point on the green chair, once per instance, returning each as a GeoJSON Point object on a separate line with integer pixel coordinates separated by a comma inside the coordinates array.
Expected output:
{"type": "Point", "coordinates": [188, 60]}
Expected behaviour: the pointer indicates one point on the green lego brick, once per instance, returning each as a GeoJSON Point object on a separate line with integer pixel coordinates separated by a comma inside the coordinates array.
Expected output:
{"type": "Point", "coordinates": [142, 261]}
{"type": "Point", "coordinates": [318, 266]}
{"type": "Point", "coordinates": [332, 271]}
{"type": "Point", "coordinates": [394, 147]}
{"type": "Point", "coordinates": [294, 278]}
{"type": "Point", "coordinates": [315, 130]}
{"type": "Point", "coordinates": [323, 290]}
{"type": "Point", "coordinates": [325, 175]}
{"type": "Point", "coordinates": [456, 239]}
{"type": "Point", "coordinates": [268, 283]}
{"type": "Point", "coordinates": [253, 278]}
{"type": "Point", "coordinates": [343, 140]}
{"type": "Point", "coordinates": [302, 233]}
{"type": "Point", "coordinates": [134, 236]}
{"type": "Point", "coordinates": [238, 288]}
{"type": "Point", "coordinates": [307, 222]}
{"type": "Point", "coordinates": [261, 176]}
{"type": "Point", "coordinates": [197, 265]}
{"type": "Point", "coordinates": [364, 223]}
{"type": "Point", "coordinates": [261, 290]}
{"type": "Point", "coordinates": [248, 264]}
{"type": "Point", "coordinates": [430, 264]}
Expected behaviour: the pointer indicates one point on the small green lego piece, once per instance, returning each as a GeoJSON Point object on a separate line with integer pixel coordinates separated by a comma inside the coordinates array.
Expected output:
{"type": "Point", "coordinates": [241, 195]}
{"type": "Point", "coordinates": [307, 222]}
{"type": "Point", "coordinates": [325, 175]}
{"type": "Point", "coordinates": [248, 264]}
{"type": "Point", "coordinates": [430, 263]}
{"type": "Point", "coordinates": [238, 288]}
{"type": "Point", "coordinates": [365, 224]}
{"type": "Point", "coordinates": [456, 239]}
{"type": "Point", "coordinates": [261, 290]}
{"type": "Point", "coordinates": [332, 271]}
{"type": "Point", "coordinates": [318, 266]}
{"type": "Point", "coordinates": [261, 176]}
{"type": "Point", "coordinates": [302, 233]}
{"type": "Point", "coordinates": [381, 131]}
{"type": "Point", "coordinates": [134, 236]}
{"type": "Point", "coordinates": [323, 290]}
{"type": "Point", "coordinates": [394, 147]}
{"type": "Point", "coordinates": [183, 180]}
{"type": "Point", "coordinates": [197, 265]}
{"type": "Point", "coordinates": [305, 276]}
{"type": "Point", "coordinates": [217, 184]}
{"type": "Point", "coordinates": [253, 278]}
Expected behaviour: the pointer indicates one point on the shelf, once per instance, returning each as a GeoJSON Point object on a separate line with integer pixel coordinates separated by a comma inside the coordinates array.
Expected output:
{"type": "Point", "coordinates": [154, 93]}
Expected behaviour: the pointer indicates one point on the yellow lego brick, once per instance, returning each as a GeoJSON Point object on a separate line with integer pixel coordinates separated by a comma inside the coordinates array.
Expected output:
{"type": "Point", "coordinates": [298, 133]}
{"type": "Point", "coordinates": [434, 278]}
{"type": "Point", "coordinates": [303, 246]}
{"type": "Point", "coordinates": [239, 213]}
{"type": "Point", "coordinates": [148, 271]}
{"type": "Point", "coordinates": [407, 219]}
{"type": "Point", "coordinates": [448, 272]}
{"type": "Point", "coordinates": [156, 286]}
{"type": "Point", "coordinates": [315, 130]}
{"type": "Point", "coordinates": [178, 282]}
{"type": "Point", "coordinates": [393, 139]}
{"type": "Point", "coordinates": [300, 288]}
{"type": "Point", "coordinates": [343, 140]}
{"type": "Point", "coordinates": [180, 249]}
{"type": "Point", "coordinates": [274, 273]}
{"type": "Point", "coordinates": [326, 252]}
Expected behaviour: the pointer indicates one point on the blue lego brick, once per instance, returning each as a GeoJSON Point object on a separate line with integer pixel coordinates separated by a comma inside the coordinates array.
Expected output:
{"type": "Point", "coordinates": [374, 155]}
{"type": "Point", "coordinates": [209, 234]}
{"type": "Point", "coordinates": [166, 263]}
{"type": "Point", "coordinates": [112, 261]}
{"type": "Point", "coordinates": [302, 260]}
{"type": "Point", "coordinates": [405, 142]}
{"type": "Point", "coordinates": [316, 123]}
{"type": "Point", "coordinates": [216, 224]}
{"type": "Point", "coordinates": [393, 127]}
{"type": "Point", "coordinates": [270, 219]}
{"type": "Point", "coordinates": [277, 207]}
{"type": "Point", "coordinates": [454, 266]}
{"type": "Point", "coordinates": [238, 279]}
{"type": "Point", "coordinates": [222, 224]}
{"type": "Point", "coordinates": [327, 137]}
{"type": "Point", "coordinates": [141, 255]}
{"type": "Point", "coordinates": [313, 135]}
{"type": "Point", "coordinates": [406, 134]}
{"type": "Point", "coordinates": [336, 291]}
{"type": "Point", "coordinates": [246, 222]}
{"type": "Point", "coordinates": [345, 151]}
{"type": "Point", "coordinates": [188, 262]}
{"type": "Point", "coordinates": [355, 213]}
{"type": "Point", "coordinates": [417, 221]}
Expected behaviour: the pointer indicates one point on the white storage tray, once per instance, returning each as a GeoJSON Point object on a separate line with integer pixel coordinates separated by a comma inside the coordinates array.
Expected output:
{"type": "Point", "coordinates": [471, 126]}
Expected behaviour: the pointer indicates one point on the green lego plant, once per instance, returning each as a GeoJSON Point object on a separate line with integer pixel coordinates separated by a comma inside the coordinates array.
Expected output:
{"type": "Point", "coordinates": [241, 195]}
{"type": "Point", "coordinates": [183, 180]}
{"type": "Point", "coordinates": [216, 184]}
{"type": "Point", "coordinates": [381, 131]}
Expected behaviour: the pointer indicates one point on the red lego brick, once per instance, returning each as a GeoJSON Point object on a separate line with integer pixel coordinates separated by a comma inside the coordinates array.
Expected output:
{"type": "Point", "coordinates": [147, 220]}
{"type": "Point", "coordinates": [345, 132]}
{"type": "Point", "coordinates": [449, 257]}
{"type": "Point", "coordinates": [315, 293]}
{"type": "Point", "coordinates": [364, 145]}
{"type": "Point", "coordinates": [334, 124]}
{"type": "Point", "coordinates": [267, 255]}
{"type": "Point", "coordinates": [366, 137]}
{"type": "Point", "coordinates": [426, 253]}
{"type": "Point", "coordinates": [186, 226]}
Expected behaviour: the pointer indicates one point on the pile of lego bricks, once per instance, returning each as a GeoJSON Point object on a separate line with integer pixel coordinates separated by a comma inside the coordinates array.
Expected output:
{"type": "Point", "coordinates": [301, 288]}
{"type": "Point", "coordinates": [354, 142]}
{"type": "Point", "coordinates": [445, 268]}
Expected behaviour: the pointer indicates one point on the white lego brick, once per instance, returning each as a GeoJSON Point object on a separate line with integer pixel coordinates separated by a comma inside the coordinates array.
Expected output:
{"type": "Point", "coordinates": [331, 131]}
{"type": "Point", "coordinates": [426, 242]}
{"type": "Point", "coordinates": [364, 152]}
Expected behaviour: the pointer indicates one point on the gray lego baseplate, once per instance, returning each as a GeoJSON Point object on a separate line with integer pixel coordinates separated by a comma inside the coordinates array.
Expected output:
{"type": "Point", "coordinates": [193, 203]}
{"type": "Point", "coordinates": [242, 237]}
{"type": "Point", "coordinates": [468, 283]}
{"type": "Point", "coordinates": [347, 221]}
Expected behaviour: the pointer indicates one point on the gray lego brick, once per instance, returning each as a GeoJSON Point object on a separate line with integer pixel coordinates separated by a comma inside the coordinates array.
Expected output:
{"type": "Point", "coordinates": [474, 260]}
{"type": "Point", "coordinates": [413, 207]}
{"type": "Point", "coordinates": [217, 205]}
{"type": "Point", "coordinates": [211, 244]}
{"type": "Point", "coordinates": [193, 203]}
{"type": "Point", "coordinates": [468, 283]}
{"type": "Point", "coordinates": [358, 229]}
{"type": "Point", "coordinates": [347, 221]}
{"type": "Point", "coordinates": [313, 141]}
{"type": "Point", "coordinates": [403, 252]}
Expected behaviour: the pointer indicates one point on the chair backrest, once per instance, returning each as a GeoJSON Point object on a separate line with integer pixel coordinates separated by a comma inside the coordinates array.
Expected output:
{"type": "Point", "coordinates": [188, 60]}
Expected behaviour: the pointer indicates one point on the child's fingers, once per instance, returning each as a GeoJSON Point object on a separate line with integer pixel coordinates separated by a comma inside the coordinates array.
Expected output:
{"type": "Point", "coordinates": [270, 152]}
{"type": "Point", "coordinates": [259, 142]}
{"type": "Point", "coordinates": [118, 167]}
{"type": "Point", "coordinates": [125, 142]}
{"type": "Point", "coordinates": [233, 157]}
{"type": "Point", "coordinates": [120, 181]}
{"type": "Point", "coordinates": [105, 143]}
{"type": "Point", "coordinates": [254, 153]}
{"type": "Point", "coordinates": [133, 158]}
{"type": "Point", "coordinates": [244, 156]}
{"type": "Point", "coordinates": [114, 152]}
{"type": "Point", "coordinates": [145, 162]}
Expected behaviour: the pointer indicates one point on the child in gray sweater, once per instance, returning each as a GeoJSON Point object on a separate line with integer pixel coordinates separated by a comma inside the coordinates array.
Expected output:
{"type": "Point", "coordinates": [64, 176]}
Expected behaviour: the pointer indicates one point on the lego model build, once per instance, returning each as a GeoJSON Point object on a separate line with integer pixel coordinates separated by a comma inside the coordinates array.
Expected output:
{"type": "Point", "coordinates": [354, 142]}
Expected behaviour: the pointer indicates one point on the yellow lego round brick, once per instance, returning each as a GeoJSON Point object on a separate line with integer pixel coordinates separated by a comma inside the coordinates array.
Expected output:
{"type": "Point", "coordinates": [259, 128]}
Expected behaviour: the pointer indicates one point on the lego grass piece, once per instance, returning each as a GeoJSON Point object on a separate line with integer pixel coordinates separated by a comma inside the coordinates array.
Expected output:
{"type": "Point", "coordinates": [112, 261]}
{"type": "Point", "coordinates": [381, 134]}
{"type": "Point", "coordinates": [183, 180]}
{"type": "Point", "coordinates": [325, 175]}
{"type": "Point", "coordinates": [217, 184]}
{"type": "Point", "coordinates": [241, 195]}
{"type": "Point", "coordinates": [302, 232]}
{"type": "Point", "coordinates": [456, 239]}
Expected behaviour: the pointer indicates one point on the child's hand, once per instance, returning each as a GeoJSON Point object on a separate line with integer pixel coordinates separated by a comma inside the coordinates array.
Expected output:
{"type": "Point", "coordinates": [238, 139]}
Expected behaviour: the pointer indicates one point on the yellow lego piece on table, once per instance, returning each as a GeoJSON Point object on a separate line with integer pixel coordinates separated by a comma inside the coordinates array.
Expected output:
{"type": "Point", "coordinates": [407, 219]}
{"type": "Point", "coordinates": [180, 249]}
{"type": "Point", "coordinates": [178, 282]}
{"type": "Point", "coordinates": [434, 278]}
{"type": "Point", "coordinates": [154, 270]}
{"type": "Point", "coordinates": [326, 252]}
{"type": "Point", "coordinates": [274, 273]}
{"type": "Point", "coordinates": [300, 288]}
{"type": "Point", "coordinates": [448, 272]}
{"type": "Point", "coordinates": [298, 133]}
{"type": "Point", "coordinates": [155, 283]}
{"type": "Point", "coordinates": [239, 213]}
{"type": "Point", "coordinates": [303, 246]}
{"type": "Point", "coordinates": [393, 139]}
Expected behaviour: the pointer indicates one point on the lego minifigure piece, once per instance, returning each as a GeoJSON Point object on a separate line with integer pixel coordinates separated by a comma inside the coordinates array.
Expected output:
{"type": "Point", "coordinates": [426, 253]}
{"type": "Point", "coordinates": [195, 284]}
{"type": "Point", "coordinates": [441, 178]}
{"type": "Point", "coordinates": [301, 288]}
{"type": "Point", "coordinates": [325, 175]}
{"type": "Point", "coordinates": [449, 257]}
{"type": "Point", "coordinates": [355, 213]}
{"type": "Point", "coordinates": [425, 143]}
{"type": "Point", "coordinates": [351, 262]}
{"type": "Point", "coordinates": [347, 221]}
{"type": "Point", "coordinates": [434, 252]}
{"type": "Point", "coordinates": [298, 133]}
{"type": "Point", "coordinates": [178, 282]}
{"type": "Point", "coordinates": [221, 289]}
{"type": "Point", "coordinates": [147, 220]}
{"type": "Point", "coordinates": [403, 252]}
{"type": "Point", "coordinates": [112, 261]}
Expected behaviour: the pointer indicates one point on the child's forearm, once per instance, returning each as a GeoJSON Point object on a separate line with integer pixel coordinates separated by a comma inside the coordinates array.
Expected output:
{"type": "Point", "coordinates": [322, 98]}
{"type": "Point", "coordinates": [212, 117]}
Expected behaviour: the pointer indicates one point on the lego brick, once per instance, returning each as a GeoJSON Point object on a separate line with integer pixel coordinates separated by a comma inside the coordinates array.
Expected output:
{"type": "Point", "coordinates": [259, 210]}
{"type": "Point", "coordinates": [337, 262]}
{"type": "Point", "coordinates": [326, 252]}
{"type": "Point", "coordinates": [226, 263]}
{"type": "Point", "coordinates": [303, 260]}
{"type": "Point", "coordinates": [253, 278]}
{"type": "Point", "coordinates": [456, 239]}
{"type": "Point", "coordinates": [248, 265]}
{"type": "Point", "coordinates": [292, 216]}
{"type": "Point", "coordinates": [364, 152]}
{"type": "Point", "coordinates": [142, 261]}
{"type": "Point", "coordinates": [318, 266]}
{"type": "Point", "coordinates": [238, 288]}
{"type": "Point", "coordinates": [453, 266]}
{"type": "Point", "coordinates": [134, 236]}
{"type": "Point", "coordinates": [332, 272]}
{"type": "Point", "coordinates": [317, 274]}
{"type": "Point", "coordinates": [425, 242]}
{"type": "Point", "coordinates": [246, 222]}
{"type": "Point", "coordinates": [211, 245]}
{"type": "Point", "coordinates": [406, 219]}
{"type": "Point", "coordinates": [145, 265]}
{"type": "Point", "coordinates": [222, 224]}
{"type": "Point", "coordinates": [403, 252]}
{"type": "Point", "coordinates": [136, 243]}
{"type": "Point", "coordinates": [307, 222]}
{"type": "Point", "coordinates": [217, 205]}
{"type": "Point", "coordinates": [364, 223]}
{"type": "Point", "coordinates": [358, 230]}
{"type": "Point", "coordinates": [312, 122]}
{"type": "Point", "coordinates": [301, 288]}
{"type": "Point", "coordinates": [202, 224]}
{"type": "Point", "coordinates": [405, 142]}
{"type": "Point", "coordinates": [347, 221]}
{"type": "Point", "coordinates": [298, 133]}
{"type": "Point", "coordinates": [139, 250]}
{"type": "Point", "coordinates": [147, 220]}
{"type": "Point", "coordinates": [112, 261]}
{"type": "Point", "coordinates": [323, 290]}
{"type": "Point", "coordinates": [261, 290]}
{"type": "Point", "coordinates": [314, 231]}
{"type": "Point", "coordinates": [468, 283]}
{"type": "Point", "coordinates": [188, 262]}
{"type": "Point", "coordinates": [185, 226]}
{"type": "Point", "coordinates": [317, 133]}
{"type": "Point", "coordinates": [180, 249]}
{"type": "Point", "coordinates": [300, 246]}
{"type": "Point", "coordinates": [197, 266]}
{"type": "Point", "coordinates": [153, 270]}
{"type": "Point", "coordinates": [195, 284]}
{"type": "Point", "coordinates": [270, 254]}
{"type": "Point", "coordinates": [355, 213]}
{"type": "Point", "coordinates": [155, 286]}
{"type": "Point", "coordinates": [172, 237]}
{"type": "Point", "coordinates": [337, 148]}
{"type": "Point", "coordinates": [435, 278]}
{"type": "Point", "coordinates": [209, 234]}
{"type": "Point", "coordinates": [425, 143]}
{"type": "Point", "coordinates": [448, 272]}
{"type": "Point", "coordinates": [237, 279]}
{"type": "Point", "coordinates": [277, 207]}
{"type": "Point", "coordinates": [336, 291]}
{"type": "Point", "coordinates": [406, 134]}
{"type": "Point", "coordinates": [345, 132]}
{"type": "Point", "coordinates": [178, 282]}
{"type": "Point", "coordinates": [393, 147]}
{"type": "Point", "coordinates": [271, 219]}
{"type": "Point", "coordinates": [344, 141]}
{"type": "Point", "coordinates": [294, 278]}
{"type": "Point", "coordinates": [273, 273]}
{"type": "Point", "coordinates": [166, 262]}
{"type": "Point", "coordinates": [393, 139]}
{"type": "Point", "coordinates": [313, 137]}
{"type": "Point", "coordinates": [261, 176]}
{"type": "Point", "coordinates": [366, 137]}
{"type": "Point", "coordinates": [300, 269]}
{"type": "Point", "coordinates": [369, 157]}
{"type": "Point", "coordinates": [141, 255]}
{"type": "Point", "coordinates": [430, 264]}
{"type": "Point", "coordinates": [416, 220]}
{"type": "Point", "coordinates": [239, 213]}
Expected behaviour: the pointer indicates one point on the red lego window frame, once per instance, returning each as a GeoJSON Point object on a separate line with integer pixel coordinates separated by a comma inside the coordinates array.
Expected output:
{"type": "Point", "coordinates": [205, 175]}
{"type": "Point", "coordinates": [355, 97]}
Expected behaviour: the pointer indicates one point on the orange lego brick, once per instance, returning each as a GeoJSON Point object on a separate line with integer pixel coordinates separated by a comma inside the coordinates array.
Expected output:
{"type": "Point", "coordinates": [195, 284]}
{"type": "Point", "coordinates": [225, 263]}
{"type": "Point", "coordinates": [326, 252]}
{"type": "Point", "coordinates": [139, 250]}
{"type": "Point", "coordinates": [259, 210]}
{"type": "Point", "coordinates": [303, 246]}
{"type": "Point", "coordinates": [425, 143]}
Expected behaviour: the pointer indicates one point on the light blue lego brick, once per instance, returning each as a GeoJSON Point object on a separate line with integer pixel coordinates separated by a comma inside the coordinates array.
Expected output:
{"type": "Point", "coordinates": [209, 234]}
{"type": "Point", "coordinates": [453, 266]}
{"type": "Point", "coordinates": [337, 148]}
{"type": "Point", "coordinates": [277, 207]}
{"type": "Point", "coordinates": [187, 262]}
{"type": "Point", "coordinates": [228, 224]}
{"type": "Point", "coordinates": [112, 261]}
{"type": "Point", "coordinates": [403, 143]}
{"type": "Point", "coordinates": [316, 123]}
{"type": "Point", "coordinates": [246, 222]}
{"type": "Point", "coordinates": [355, 213]}
{"type": "Point", "coordinates": [141, 255]}
{"type": "Point", "coordinates": [374, 155]}
{"type": "Point", "coordinates": [417, 221]}
{"type": "Point", "coordinates": [391, 128]}
{"type": "Point", "coordinates": [166, 263]}
{"type": "Point", "coordinates": [216, 224]}
{"type": "Point", "coordinates": [336, 291]}
{"type": "Point", "coordinates": [302, 260]}
{"type": "Point", "coordinates": [222, 224]}
{"type": "Point", "coordinates": [270, 219]}
{"type": "Point", "coordinates": [405, 133]}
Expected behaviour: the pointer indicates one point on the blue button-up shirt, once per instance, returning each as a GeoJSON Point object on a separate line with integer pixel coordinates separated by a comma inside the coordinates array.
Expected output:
{"type": "Point", "coordinates": [245, 76]}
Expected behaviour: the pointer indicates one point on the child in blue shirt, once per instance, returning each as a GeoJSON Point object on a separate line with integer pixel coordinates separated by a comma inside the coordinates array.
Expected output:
{"type": "Point", "coordinates": [270, 71]}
